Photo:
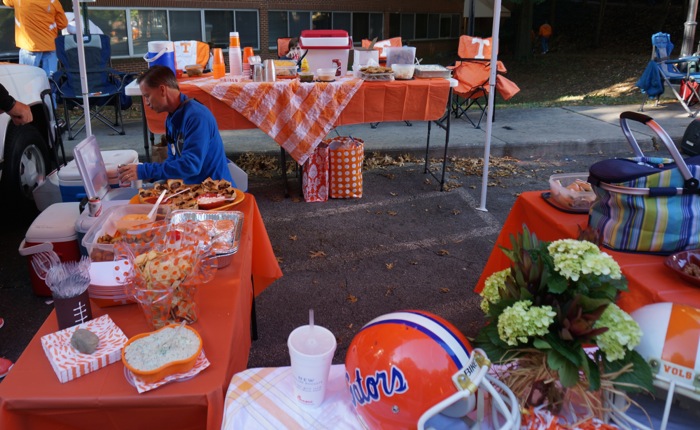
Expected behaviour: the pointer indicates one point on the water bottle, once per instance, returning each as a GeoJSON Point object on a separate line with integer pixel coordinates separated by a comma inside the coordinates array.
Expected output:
{"type": "Point", "coordinates": [235, 59]}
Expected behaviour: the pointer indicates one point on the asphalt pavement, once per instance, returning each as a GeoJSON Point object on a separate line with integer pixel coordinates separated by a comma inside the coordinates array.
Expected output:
{"type": "Point", "coordinates": [403, 245]}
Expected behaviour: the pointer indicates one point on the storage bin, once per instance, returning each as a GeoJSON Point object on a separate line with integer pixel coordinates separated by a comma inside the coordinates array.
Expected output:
{"type": "Point", "coordinates": [324, 46]}
{"type": "Point", "coordinates": [403, 55]}
{"type": "Point", "coordinates": [54, 228]}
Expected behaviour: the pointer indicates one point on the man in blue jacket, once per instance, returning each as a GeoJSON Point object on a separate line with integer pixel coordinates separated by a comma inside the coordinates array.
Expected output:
{"type": "Point", "coordinates": [195, 149]}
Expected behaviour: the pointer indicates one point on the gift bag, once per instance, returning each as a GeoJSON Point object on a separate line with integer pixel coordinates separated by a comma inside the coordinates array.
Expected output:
{"type": "Point", "coordinates": [647, 204]}
{"type": "Point", "coordinates": [345, 157]}
{"type": "Point", "coordinates": [314, 178]}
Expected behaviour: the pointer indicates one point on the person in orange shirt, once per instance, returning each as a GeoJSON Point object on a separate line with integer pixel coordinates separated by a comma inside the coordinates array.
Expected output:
{"type": "Point", "coordinates": [545, 33]}
{"type": "Point", "coordinates": [37, 24]}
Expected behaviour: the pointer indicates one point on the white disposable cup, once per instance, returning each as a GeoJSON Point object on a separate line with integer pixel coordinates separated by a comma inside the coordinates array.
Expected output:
{"type": "Point", "coordinates": [311, 352]}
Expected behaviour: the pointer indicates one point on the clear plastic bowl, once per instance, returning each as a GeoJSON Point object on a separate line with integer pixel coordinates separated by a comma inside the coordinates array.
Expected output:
{"type": "Point", "coordinates": [326, 74]}
{"type": "Point", "coordinates": [572, 190]}
{"type": "Point", "coordinates": [403, 71]}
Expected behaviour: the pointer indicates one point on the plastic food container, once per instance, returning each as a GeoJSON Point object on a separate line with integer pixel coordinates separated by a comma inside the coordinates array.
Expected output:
{"type": "Point", "coordinates": [572, 190]}
{"type": "Point", "coordinates": [107, 225]}
{"type": "Point", "coordinates": [194, 70]}
{"type": "Point", "coordinates": [403, 71]}
{"type": "Point", "coordinates": [224, 229]}
{"type": "Point", "coordinates": [306, 77]}
{"type": "Point", "coordinates": [402, 55]}
{"type": "Point", "coordinates": [432, 71]}
{"type": "Point", "coordinates": [285, 69]}
{"type": "Point", "coordinates": [171, 367]}
{"type": "Point", "coordinates": [326, 74]}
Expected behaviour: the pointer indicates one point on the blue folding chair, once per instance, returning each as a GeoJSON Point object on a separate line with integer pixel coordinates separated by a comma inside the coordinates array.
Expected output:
{"type": "Point", "coordinates": [105, 85]}
{"type": "Point", "coordinates": [679, 74]}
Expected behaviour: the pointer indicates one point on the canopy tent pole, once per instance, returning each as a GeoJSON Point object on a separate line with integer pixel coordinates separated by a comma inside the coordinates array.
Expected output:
{"type": "Point", "coordinates": [492, 90]}
{"type": "Point", "coordinates": [81, 65]}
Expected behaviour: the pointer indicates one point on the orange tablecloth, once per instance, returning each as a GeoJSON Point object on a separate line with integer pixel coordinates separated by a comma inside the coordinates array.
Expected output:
{"type": "Point", "coordinates": [31, 396]}
{"type": "Point", "coordinates": [649, 280]}
{"type": "Point", "coordinates": [410, 100]}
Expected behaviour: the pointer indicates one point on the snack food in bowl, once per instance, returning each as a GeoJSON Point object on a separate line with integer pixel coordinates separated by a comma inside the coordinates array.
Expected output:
{"type": "Point", "coordinates": [285, 69]}
{"type": "Point", "coordinates": [326, 75]}
{"type": "Point", "coordinates": [571, 190]}
{"type": "Point", "coordinates": [156, 355]}
{"type": "Point", "coordinates": [194, 70]}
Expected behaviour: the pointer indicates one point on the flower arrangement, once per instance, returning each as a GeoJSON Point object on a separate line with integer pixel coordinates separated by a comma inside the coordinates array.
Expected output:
{"type": "Point", "coordinates": [553, 321]}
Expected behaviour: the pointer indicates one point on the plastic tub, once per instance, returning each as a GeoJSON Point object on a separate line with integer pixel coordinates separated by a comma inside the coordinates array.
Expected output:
{"type": "Point", "coordinates": [572, 190]}
{"type": "Point", "coordinates": [403, 71]}
{"type": "Point", "coordinates": [325, 75]}
{"type": "Point", "coordinates": [402, 55]}
{"type": "Point", "coordinates": [107, 225]}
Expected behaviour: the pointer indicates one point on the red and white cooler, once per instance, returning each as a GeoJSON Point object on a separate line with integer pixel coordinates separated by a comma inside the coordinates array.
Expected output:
{"type": "Point", "coordinates": [53, 229]}
{"type": "Point", "coordinates": [324, 46]}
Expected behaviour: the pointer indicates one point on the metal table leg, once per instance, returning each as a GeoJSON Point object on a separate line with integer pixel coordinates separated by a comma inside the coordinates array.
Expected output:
{"type": "Point", "coordinates": [444, 123]}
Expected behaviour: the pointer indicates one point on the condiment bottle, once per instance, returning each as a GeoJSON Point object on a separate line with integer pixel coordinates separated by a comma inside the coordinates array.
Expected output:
{"type": "Point", "coordinates": [235, 60]}
{"type": "Point", "coordinates": [304, 65]}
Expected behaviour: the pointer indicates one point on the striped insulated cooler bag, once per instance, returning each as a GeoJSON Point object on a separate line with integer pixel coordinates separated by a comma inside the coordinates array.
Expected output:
{"type": "Point", "coordinates": [646, 204]}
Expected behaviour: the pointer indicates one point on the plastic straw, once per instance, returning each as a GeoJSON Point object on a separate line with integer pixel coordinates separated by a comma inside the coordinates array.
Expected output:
{"type": "Point", "coordinates": [311, 318]}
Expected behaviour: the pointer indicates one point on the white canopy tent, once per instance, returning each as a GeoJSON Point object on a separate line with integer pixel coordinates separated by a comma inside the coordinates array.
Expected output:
{"type": "Point", "coordinates": [81, 64]}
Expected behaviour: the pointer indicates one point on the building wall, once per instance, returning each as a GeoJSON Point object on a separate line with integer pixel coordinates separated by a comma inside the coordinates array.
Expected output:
{"type": "Point", "coordinates": [433, 50]}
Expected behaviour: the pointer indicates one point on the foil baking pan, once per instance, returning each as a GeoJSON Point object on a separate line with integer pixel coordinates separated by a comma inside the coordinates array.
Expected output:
{"type": "Point", "coordinates": [225, 240]}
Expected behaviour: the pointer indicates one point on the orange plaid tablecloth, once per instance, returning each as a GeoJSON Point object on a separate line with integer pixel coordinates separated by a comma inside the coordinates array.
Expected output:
{"type": "Point", "coordinates": [297, 116]}
{"type": "Point", "coordinates": [353, 102]}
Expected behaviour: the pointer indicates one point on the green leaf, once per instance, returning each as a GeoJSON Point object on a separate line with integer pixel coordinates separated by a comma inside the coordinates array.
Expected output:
{"type": "Point", "coordinates": [640, 377]}
{"type": "Point", "coordinates": [568, 372]}
{"type": "Point", "coordinates": [568, 350]}
{"type": "Point", "coordinates": [488, 340]}
{"type": "Point", "coordinates": [590, 368]}
{"type": "Point", "coordinates": [541, 344]}
{"type": "Point", "coordinates": [557, 284]}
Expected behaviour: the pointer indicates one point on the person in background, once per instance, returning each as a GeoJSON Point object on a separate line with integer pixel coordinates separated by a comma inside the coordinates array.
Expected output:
{"type": "Point", "coordinates": [37, 24]}
{"type": "Point", "coordinates": [194, 145]}
{"type": "Point", "coordinates": [545, 33]}
{"type": "Point", "coordinates": [18, 111]}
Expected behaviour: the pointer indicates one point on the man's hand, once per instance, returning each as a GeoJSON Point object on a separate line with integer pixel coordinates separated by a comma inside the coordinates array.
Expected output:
{"type": "Point", "coordinates": [20, 113]}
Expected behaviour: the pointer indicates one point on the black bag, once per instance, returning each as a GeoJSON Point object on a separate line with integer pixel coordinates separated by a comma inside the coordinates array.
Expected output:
{"type": "Point", "coordinates": [690, 144]}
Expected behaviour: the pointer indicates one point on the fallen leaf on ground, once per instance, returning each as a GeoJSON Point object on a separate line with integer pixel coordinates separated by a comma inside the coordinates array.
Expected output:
{"type": "Point", "coordinates": [317, 254]}
{"type": "Point", "coordinates": [443, 252]}
{"type": "Point", "coordinates": [351, 298]}
{"type": "Point", "coordinates": [389, 266]}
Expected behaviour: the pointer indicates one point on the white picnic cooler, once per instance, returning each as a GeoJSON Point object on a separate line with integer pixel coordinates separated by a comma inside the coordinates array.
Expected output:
{"type": "Point", "coordinates": [53, 229]}
{"type": "Point", "coordinates": [324, 46]}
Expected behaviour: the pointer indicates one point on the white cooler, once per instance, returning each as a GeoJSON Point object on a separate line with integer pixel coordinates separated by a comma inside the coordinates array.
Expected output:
{"type": "Point", "coordinates": [53, 229]}
{"type": "Point", "coordinates": [71, 183]}
{"type": "Point", "coordinates": [324, 46]}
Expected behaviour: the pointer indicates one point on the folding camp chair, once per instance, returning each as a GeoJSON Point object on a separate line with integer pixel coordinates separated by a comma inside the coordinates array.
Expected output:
{"type": "Point", "coordinates": [472, 71]}
{"type": "Point", "coordinates": [105, 85]}
{"type": "Point", "coordinates": [679, 74]}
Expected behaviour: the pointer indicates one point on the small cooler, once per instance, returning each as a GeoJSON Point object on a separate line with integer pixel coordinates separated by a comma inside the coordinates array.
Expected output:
{"type": "Point", "coordinates": [324, 46]}
{"type": "Point", "coordinates": [71, 183]}
{"type": "Point", "coordinates": [54, 228]}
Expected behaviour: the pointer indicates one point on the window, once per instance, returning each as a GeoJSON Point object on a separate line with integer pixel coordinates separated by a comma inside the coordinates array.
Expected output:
{"type": "Point", "coordinates": [218, 25]}
{"type": "Point", "coordinates": [424, 26]}
{"type": "Point", "coordinates": [359, 25]}
{"type": "Point", "coordinates": [146, 26]}
{"type": "Point", "coordinates": [112, 22]}
{"type": "Point", "coordinates": [185, 25]}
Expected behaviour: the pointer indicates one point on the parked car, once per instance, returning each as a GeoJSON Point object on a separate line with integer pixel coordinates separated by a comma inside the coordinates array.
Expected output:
{"type": "Point", "coordinates": [28, 152]}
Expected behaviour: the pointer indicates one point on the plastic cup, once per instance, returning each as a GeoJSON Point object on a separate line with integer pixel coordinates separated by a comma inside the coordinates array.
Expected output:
{"type": "Point", "coordinates": [311, 350]}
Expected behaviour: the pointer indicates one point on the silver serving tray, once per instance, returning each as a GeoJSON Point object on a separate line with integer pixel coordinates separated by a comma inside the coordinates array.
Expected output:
{"type": "Point", "coordinates": [229, 240]}
{"type": "Point", "coordinates": [432, 71]}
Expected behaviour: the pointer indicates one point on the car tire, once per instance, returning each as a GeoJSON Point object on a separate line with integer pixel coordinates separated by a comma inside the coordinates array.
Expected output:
{"type": "Point", "coordinates": [26, 164]}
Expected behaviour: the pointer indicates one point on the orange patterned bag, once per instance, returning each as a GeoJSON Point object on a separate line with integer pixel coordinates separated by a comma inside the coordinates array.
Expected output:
{"type": "Point", "coordinates": [346, 155]}
{"type": "Point", "coordinates": [314, 179]}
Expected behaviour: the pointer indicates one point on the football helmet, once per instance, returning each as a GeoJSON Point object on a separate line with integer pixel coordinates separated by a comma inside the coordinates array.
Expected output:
{"type": "Point", "coordinates": [669, 343]}
{"type": "Point", "coordinates": [412, 369]}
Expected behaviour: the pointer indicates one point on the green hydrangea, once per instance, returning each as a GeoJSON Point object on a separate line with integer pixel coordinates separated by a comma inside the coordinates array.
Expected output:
{"type": "Point", "coordinates": [624, 332]}
{"type": "Point", "coordinates": [522, 320]}
{"type": "Point", "coordinates": [576, 258]}
{"type": "Point", "coordinates": [492, 286]}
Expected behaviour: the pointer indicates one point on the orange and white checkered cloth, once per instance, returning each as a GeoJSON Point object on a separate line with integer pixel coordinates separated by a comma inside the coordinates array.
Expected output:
{"type": "Point", "coordinates": [263, 398]}
{"type": "Point", "coordinates": [296, 115]}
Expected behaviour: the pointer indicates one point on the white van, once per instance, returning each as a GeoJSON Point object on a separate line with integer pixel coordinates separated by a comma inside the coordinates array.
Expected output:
{"type": "Point", "coordinates": [28, 152]}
